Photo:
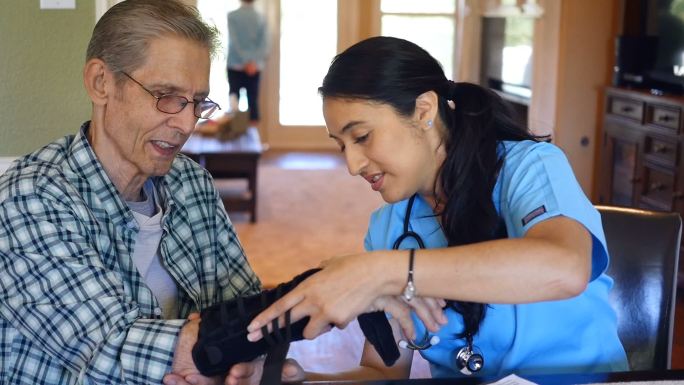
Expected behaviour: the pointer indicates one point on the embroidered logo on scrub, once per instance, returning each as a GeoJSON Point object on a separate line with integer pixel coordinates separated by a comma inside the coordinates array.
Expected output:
{"type": "Point", "coordinates": [533, 214]}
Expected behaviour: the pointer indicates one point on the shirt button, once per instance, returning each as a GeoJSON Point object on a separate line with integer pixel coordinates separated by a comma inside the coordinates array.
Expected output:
{"type": "Point", "coordinates": [157, 311]}
{"type": "Point", "coordinates": [130, 225]}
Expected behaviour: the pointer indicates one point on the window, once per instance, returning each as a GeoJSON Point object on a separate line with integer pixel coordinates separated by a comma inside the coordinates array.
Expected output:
{"type": "Point", "coordinates": [516, 71]}
{"type": "Point", "coordinates": [428, 23]}
{"type": "Point", "coordinates": [308, 42]}
{"type": "Point", "coordinates": [507, 54]}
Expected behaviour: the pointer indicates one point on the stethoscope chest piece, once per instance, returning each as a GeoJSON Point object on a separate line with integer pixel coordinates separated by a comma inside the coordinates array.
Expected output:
{"type": "Point", "coordinates": [469, 360]}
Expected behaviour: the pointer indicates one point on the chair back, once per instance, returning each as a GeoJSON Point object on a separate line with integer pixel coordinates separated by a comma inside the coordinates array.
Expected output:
{"type": "Point", "coordinates": [644, 254]}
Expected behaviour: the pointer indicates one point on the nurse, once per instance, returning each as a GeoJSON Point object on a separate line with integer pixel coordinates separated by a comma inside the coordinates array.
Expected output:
{"type": "Point", "coordinates": [511, 242]}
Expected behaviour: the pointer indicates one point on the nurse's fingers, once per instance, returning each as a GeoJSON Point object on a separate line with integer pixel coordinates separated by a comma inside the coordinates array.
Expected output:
{"type": "Point", "coordinates": [399, 311]}
{"type": "Point", "coordinates": [319, 325]}
{"type": "Point", "coordinates": [437, 306]}
{"type": "Point", "coordinates": [429, 311]}
{"type": "Point", "coordinates": [277, 310]}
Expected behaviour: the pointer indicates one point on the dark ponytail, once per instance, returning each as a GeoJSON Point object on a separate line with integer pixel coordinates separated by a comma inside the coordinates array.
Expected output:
{"type": "Point", "coordinates": [477, 124]}
{"type": "Point", "coordinates": [395, 72]}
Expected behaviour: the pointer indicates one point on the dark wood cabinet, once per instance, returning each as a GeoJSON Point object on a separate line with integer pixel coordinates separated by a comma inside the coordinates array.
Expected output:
{"type": "Point", "coordinates": [641, 151]}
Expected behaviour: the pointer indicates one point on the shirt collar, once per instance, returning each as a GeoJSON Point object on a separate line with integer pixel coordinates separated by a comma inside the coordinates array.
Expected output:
{"type": "Point", "coordinates": [101, 190]}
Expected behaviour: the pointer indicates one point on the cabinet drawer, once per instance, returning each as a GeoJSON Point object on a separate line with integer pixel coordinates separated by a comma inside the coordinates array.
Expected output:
{"type": "Point", "coordinates": [628, 108]}
{"type": "Point", "coordinates": [663, 116]}
{"type": "Point", "coordinates": [661, 151]}
{"type": "Point", "coordinates": [658, 189]}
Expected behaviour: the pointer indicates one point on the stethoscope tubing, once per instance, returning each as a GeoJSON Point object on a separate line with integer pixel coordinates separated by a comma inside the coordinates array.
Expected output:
{"type": "Point", "coordinates": [468, 358]}
{"type": "Point", "coordinates": [426, 341]}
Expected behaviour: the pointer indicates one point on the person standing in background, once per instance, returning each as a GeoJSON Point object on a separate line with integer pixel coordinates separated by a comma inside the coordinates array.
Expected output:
{"type": "Point", "coordinates": [247, 49]}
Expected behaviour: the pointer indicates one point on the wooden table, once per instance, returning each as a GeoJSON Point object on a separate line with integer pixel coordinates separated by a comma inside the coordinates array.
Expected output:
{"type": "Point", "coordinates": [237, 158]}
{"type": "Point", "coordinates": [667, 377]}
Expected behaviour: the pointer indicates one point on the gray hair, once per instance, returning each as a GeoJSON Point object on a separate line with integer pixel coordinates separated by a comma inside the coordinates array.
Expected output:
{"type": "Point", "coordinates": [123, 34]}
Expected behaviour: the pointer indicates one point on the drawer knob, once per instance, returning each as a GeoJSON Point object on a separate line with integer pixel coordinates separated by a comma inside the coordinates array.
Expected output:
{"type": "Point", "coordinates": [659, 148]}
{"type": "Point", "coordinates": [665, 118]}
{"type": "Point", "coordinates": [627, 109]}
{"type": "Point", "coordinates": [657, 186]}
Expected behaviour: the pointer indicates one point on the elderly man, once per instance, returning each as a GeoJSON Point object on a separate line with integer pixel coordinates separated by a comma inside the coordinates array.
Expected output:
{"type": "Point", "coordinates": [109, 239]}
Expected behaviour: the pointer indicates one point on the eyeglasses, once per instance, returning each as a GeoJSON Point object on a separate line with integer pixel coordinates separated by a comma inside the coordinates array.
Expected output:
{"type": "Point", "coordinates": [173, 104]}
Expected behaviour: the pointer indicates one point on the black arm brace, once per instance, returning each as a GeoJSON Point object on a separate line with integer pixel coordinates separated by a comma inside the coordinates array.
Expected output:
{"type": "Point", "coordinates": [222, 339]}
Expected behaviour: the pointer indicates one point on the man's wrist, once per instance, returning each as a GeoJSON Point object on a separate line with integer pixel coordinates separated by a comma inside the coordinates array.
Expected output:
{"type": "Point", "coordinates": [187, 337]}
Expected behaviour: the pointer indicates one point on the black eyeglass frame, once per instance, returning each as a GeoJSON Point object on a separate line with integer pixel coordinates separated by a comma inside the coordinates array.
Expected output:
{"type": "Point", "coordinates": [206, 106]}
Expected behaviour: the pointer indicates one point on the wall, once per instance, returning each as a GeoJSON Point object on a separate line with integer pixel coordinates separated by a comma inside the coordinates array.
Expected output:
{"type": "Point", "coordinates": [586, 52]}
{"type": "Point", "coordinates": [41, 58]}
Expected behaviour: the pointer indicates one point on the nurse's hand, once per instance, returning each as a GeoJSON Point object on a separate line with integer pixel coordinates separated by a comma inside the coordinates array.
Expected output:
{"type": "Point", "coordinates": [429, 310]}
{"type": "Point", "coordinates": [346, 287]}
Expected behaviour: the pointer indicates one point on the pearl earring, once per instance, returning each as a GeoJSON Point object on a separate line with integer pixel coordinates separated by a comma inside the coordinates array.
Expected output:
{"type": "Point", "coordinates": [429, 123]}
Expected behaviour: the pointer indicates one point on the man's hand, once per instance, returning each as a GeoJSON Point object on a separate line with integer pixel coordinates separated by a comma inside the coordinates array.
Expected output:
{"type": "Point", "coordinates": [251, 68]}
{"type": "Point", "coordinates": [249, 373]}
{"type": "Point", "coordinates": [184, 371]}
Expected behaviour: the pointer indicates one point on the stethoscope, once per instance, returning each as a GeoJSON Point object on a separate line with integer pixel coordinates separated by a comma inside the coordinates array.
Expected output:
{"type": "Point", "coordinates": [469, 359]}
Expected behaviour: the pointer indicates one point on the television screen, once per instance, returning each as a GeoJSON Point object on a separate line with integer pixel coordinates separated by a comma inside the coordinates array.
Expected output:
{"type": "Point", "coordinates": [666, 22]}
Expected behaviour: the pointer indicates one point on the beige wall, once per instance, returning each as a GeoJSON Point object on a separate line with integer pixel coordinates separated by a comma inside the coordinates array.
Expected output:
{"type": "Point", "coordinates": [41, 58]}
{"type": "Point", "coordinates": [585, 55]}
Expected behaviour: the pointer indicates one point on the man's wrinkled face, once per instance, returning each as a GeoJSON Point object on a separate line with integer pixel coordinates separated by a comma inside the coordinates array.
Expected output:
{"type": "Point", "coordinates": [144, 139]}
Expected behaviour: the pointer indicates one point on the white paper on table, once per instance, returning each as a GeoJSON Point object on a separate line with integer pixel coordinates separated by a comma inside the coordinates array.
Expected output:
{"type": "Point", "coordinates": [512, 379]}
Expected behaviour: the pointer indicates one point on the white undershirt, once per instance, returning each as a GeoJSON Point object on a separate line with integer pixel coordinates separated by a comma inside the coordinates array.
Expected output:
{"type": "Point", "coordinates": [146, 252]}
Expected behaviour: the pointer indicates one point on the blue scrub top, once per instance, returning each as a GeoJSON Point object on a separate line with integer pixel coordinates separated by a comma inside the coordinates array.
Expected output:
{"type": "Point", "coordinates": [578, 334]}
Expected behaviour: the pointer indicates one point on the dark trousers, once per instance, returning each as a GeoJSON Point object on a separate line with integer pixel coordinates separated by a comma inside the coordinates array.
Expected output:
{"type": "Point", "coordinates": [239, 79]}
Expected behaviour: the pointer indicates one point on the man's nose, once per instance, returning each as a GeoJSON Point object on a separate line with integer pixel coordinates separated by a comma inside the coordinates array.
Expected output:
{"type": "Point", "coordinates": [186, 119]}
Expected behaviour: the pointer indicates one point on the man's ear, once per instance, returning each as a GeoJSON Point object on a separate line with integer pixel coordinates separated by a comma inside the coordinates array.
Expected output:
{"type": "Point", "coordinates": [426, 109]}
{"type": "Point", "coordinates": [97, 79]}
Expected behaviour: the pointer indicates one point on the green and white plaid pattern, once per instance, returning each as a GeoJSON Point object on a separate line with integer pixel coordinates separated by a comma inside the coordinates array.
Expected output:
{"type": "Point", "coordinates": [73, 307]}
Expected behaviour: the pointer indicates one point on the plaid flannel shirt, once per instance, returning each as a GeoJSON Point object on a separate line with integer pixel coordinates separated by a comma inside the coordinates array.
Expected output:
{"type": "Point", "coordinates": [73, 307]}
